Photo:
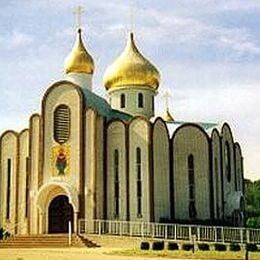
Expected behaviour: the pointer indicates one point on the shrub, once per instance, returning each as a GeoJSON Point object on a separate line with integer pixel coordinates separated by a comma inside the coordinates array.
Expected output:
{"type": "Point", "coordinates": [145, 246]}
{"type": "Point", "coordinates": [253, 222]}
{"type": "Point", "coordinates": [158, 245]}
{"type": "Point", "coordinates": [220, 247]}
{"type": "Point", "coordinates": [251, 247]}
{"type": "Point", "coordinates": [203, 247]}
{"type": "Point", "coordinates": [235, 247]}
{"type": "Point", "coordinates": [187, 247]}
{"type": "Point", "coordinates": [173, 246]}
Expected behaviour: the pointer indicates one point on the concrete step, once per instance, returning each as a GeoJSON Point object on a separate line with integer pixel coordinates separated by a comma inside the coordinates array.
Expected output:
{"type": "Point", "coordinates": [53, 240]}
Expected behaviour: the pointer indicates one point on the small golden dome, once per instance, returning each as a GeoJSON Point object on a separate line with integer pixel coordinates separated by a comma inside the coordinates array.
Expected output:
{"type": "Point", "coordinates": [79, 60]}
{"type": "Point", "coordinates": [167, 116]}
{"type": "Point", "coordinates": [131, 68]}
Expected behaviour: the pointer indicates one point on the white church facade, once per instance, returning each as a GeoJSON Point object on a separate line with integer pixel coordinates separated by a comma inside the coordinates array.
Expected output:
{"type": "Point", "coordinates": [83, 157]}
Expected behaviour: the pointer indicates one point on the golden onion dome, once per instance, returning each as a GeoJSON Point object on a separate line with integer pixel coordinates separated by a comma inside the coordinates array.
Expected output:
{"type": "Point", "coordinates": [131, 68]}
{"type": "Point", "coordinates": [167, 116]}
{"type": "Point", "coordinates": [79, 60]}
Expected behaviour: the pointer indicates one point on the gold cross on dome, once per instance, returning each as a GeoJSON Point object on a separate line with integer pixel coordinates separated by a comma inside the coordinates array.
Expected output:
{"type": "Point", "coordinates": [166, 97]}
{"type": "Point", "coordinates": [131, 19]}
{"type": "Point", "coordinates": [78, 12]}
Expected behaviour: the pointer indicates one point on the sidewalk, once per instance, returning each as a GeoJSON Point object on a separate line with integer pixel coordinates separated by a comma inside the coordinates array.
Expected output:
{"type": "Point", "coordinates": [66, 254]}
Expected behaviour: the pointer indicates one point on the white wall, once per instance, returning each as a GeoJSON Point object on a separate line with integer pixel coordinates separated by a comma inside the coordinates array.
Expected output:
{"type": "Point", "coordinates": [131, 101]}
{"type": "Point", "coordinates": [116, 139]}
{"type": "Point", "coordinates": [190, 139]}
{"type": "Point", "coordinates": [139, 136]}
{"type": "Point", "coordinates": [161, 172]}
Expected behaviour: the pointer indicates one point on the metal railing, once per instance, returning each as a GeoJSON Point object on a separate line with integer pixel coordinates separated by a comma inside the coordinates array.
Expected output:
{"type": "Point", "coordinates": [169, 231]}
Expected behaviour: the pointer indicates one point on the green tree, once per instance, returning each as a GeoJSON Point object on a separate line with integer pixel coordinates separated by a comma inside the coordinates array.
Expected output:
{"type": "Point", "coordinates": [252, 195]}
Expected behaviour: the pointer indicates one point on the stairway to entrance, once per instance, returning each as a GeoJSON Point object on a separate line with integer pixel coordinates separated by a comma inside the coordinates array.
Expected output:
{"type": "Point", "coordinates": [45, 241]}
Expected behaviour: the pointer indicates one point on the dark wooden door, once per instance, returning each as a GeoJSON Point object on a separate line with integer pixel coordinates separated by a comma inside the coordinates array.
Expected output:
{"type": "Point", "coordinates": [60, 213]}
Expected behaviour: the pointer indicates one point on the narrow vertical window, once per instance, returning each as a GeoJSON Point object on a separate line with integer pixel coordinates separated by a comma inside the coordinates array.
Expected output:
{"type": "Point", "coordinates": [191, 178]}
{"type": "Point", "coordinates": [217, 185]}
{"type": "Point", "coordinates": [238, 180]}
{"type": "Point", "coordinates": [122, 101]}
{"type": "Point", "coordinates": [62, 124]}
{"type": "Point", "coordinates": [227, 161]}
{"type": "Point", "coordinates": [139, 181]}
{"type": "Point", "coordinates": [27, 187]}
{"type": "Point", "coordinates": [116, 182]}
{"type": "Point", "coordinates": [153, 103]}
{"type": "Point", "coordinates": [8, 193]}
{"type": "Point", "coordinates": [140, 100]}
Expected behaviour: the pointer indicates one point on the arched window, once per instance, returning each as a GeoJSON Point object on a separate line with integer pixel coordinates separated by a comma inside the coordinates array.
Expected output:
{"type": "Point", "coordinates": [140, 100]}
{"type": "Point", "coordinates": [62, 124]}
{"type": "Point", "coordinates": [191, 178]}
{"type": "Point", "coordinates": [227, 163]}
{"type": "Point", "coordinates": [116, 182]}
{"type": "Point", "coordinates": [122, 101]}
{"type": "Point", "coordinates": [139, 181]}
{"type": "Point", "coordinates": [8, 192]}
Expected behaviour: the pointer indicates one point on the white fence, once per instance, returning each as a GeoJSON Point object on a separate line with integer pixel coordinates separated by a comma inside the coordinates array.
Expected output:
{"type": "Point", "coordinates": [169, 231]}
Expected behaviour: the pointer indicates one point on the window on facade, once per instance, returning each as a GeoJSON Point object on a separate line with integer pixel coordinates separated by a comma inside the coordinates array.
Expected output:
{"type": "Point", "coordinates": [122, 101]}
{"type": "Point", "coordinates": [61, 124]}
{"type": "Point", "coordinates": [153, 103]}
{"type": "Point", "coordinates": [191, 179]}
{"type": "Point", "coordinates": [238, 186]}
{"type": "Point", "coordinates": [139, 181]}
{"type": "Point", "coordinates": [192, 210]}
{"type": "Point", "coordinates": [140, 100]}
{"type": "Point", "coordinates": [217, 184]}
{"type": "Point", "coordinates": [236, 173]}
{"type": "Point", "coordinates": [8, 193]}
{"type": "Point", "coordinates": [227, 161]}
{"type": "Point", "coordinates": [27, 187]}
{"type": "Point", "coordinates": [116, 182]}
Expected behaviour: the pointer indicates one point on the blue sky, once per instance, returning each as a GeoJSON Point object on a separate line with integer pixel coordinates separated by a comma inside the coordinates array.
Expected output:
{"type": "Point", "coordinates": [208, 52]}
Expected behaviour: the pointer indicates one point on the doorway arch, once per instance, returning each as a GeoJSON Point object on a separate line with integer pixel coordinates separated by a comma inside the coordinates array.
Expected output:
{"type": "Point", "coordinates": [60, 212]}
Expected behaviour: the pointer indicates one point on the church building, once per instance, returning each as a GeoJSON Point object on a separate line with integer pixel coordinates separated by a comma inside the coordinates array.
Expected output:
{"type": "Point", "coordinates": [84, 157]}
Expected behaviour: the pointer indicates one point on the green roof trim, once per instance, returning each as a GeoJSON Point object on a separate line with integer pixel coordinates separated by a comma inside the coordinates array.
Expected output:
{"type": "Point", "coordinates": [102, 106]}
{"type": "Point", "coordinates": [204, 125]}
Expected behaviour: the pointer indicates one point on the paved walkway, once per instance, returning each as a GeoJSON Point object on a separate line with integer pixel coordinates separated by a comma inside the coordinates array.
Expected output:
{"type": "Point", "coordinates": [66, 254]}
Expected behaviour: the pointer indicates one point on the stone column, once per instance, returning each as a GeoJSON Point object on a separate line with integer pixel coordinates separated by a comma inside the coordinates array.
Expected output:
{"type": "Point", "coordinates": [41, 220]}
{"type": "Point", "coordinates": [75, 222]}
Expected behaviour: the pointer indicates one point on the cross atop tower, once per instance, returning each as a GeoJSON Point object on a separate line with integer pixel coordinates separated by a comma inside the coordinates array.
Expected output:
{"type": "Point", "coordinates": [166, 97]}
{"type": "Point", "coordinates": [132, 19]}
{"type": "Point", "coordinates": [78, 13]}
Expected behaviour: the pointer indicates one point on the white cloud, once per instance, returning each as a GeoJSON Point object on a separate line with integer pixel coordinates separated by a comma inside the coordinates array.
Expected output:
{"type": "Point", "coordinates": [194, 31]}
{"type": "Point", "coordinates": [239, 40]}
{"type": "Point", "coordinates": [15, 40]}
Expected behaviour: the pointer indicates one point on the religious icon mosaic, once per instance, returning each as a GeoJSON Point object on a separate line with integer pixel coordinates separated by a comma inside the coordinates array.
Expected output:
{"type": "Point", "coordinates": [61, 160]}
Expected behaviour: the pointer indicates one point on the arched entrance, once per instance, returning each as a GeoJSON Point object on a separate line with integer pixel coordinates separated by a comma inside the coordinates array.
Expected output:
{"type": "Point", "coordinates": [60, 213]}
